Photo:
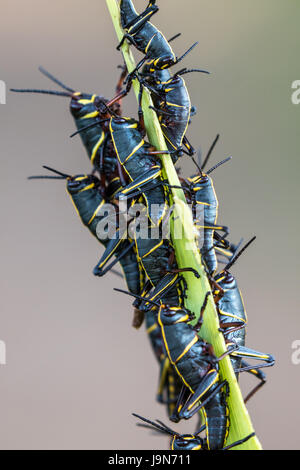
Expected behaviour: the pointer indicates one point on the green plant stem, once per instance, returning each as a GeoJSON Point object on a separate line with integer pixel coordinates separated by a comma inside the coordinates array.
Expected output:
{"type": "Point", "coordinates": [187, 255]}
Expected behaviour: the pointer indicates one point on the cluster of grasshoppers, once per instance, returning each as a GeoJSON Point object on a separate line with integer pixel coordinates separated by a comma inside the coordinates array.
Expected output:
{"type": "Point", "coordinates": [125, 167]}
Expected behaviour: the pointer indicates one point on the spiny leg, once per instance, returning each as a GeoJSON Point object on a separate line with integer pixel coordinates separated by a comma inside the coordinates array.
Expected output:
{"type": "Point", "coordinates": [141, 181]}
{"type": "Point", "coordinates": [112, 249]}
{"type": "Point", "coordinates": [230, 327]}
{"type": "Point", "coordinates": [182, 398]}
{"type": "Point", "coordinates": [139, 22]}
{"type": "Point", "coordinates": [198, 325]}
{"type": "Point", "coordinates": [243, 352]}
{"type": "Point", "coordinates": [188, 146]}
{"type": "Point", "coordinates": [241, 441]}
{"type": "Point", "coordinates": [140, 112]}
{"type": "Point", "coordinates": [202, 391]}
{"type": "Point", "coordinates": [184, 270]}
{"type": "Point", "coordinates": [218, 291]}
{"type": "Point", "coordinates": [134, 72]}
{"type": "Point", "coordinates": [166, 284]}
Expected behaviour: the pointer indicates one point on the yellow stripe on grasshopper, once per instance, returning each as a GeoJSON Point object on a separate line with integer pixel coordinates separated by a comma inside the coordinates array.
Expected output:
{"type": "Point", "coordinates": [96, 212]}
{"type": "Point", "coordinates": [90, 115]}
{"type": "Point", "coordinates": [175, 105]}
{"type": "Point", "coordinates": [134, 151]}
{"type": "Point", "coordinates": [84, 102]}
{"type": "Point", "coordinates": [258, 356]}
{"type": "Point", "coordinates": [153, 249]}
{"type": "Point", "coordinates": [152, 328]}
{"type": "Point", "coordinates": [109, 255]}
{"type": "Point", "coordinates": [81, 178]}
{"type": "Point", "coordinates": [187, 348]}
{"type": "Point", "coordinates": [90, 186]}
{"type": "Point", "coordinates": [147, 47]}
{"type": "Point", "coordinates": [209, 386]}
{"type": "Point", "coordinates": [97, 146]}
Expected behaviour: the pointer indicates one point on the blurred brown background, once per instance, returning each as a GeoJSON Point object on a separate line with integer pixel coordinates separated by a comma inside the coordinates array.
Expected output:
{"type": "Point", "coordinates": [75, 368]}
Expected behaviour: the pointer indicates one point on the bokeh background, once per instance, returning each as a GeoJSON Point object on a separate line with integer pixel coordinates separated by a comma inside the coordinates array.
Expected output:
{"type": "Point", "coordinates": [75, 367]}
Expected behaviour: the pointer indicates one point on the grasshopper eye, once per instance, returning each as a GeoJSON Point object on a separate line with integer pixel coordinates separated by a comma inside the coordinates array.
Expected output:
{"type": "Point", "coordinates": [119, 120]}
{"type": "Point", "coordinates": [228, 279]}
{"type": "Point", "coordinates": [182, 442]}
{"type": "Point", "coordinates": [99, 103]}
{"type": "Point", "coordinates": [73, 184]}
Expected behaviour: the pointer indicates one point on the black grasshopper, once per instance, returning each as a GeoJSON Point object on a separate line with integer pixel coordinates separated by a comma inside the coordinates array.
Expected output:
{"type": "Point", "coordinates": [170, 95]}
{"type": "Point", "coordinates": [156, 258]}
{"type": "Point", "coordinates": [197, 366]}
{"type": "Point", "coordinates": [186, 442]}
{"type": "Point", "coordinates": [90, 112]}
{"type": "Point", "coordinates": [201, 195]}
{"type": "Point", "coordinates": [205, 211]}
{"type": "Point", "coordinates": [141, 163]}
{"type": "Point", "coordinates": [85, 194]}
{"type": "Point", "coordinates": [233, 320]}
{"type": "Point", "coordinates": [147, 38]}
{"type": "Point", "coordinates": [173, 106]}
